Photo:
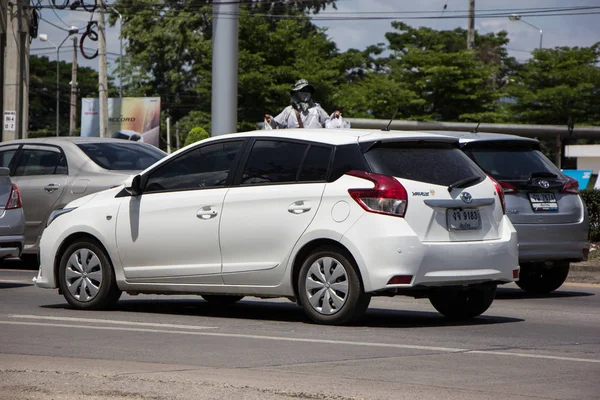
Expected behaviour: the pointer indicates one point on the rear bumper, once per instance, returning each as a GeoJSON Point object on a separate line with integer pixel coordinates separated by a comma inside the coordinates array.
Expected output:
{"type": "Point", "coordinates": [382, 252]}
{"type": "Point", "coordinates": [11, 246]}
{"type": "Point", "coordinates": [556, 242]}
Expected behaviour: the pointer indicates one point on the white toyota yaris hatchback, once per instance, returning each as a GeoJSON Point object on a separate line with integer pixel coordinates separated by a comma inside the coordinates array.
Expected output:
{"type": "Point", "coordinates": [325, 218]}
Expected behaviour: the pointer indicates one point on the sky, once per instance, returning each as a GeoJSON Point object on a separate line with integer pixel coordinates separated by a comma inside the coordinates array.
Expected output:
{"type": "Point", "coordinates": [574, 30]}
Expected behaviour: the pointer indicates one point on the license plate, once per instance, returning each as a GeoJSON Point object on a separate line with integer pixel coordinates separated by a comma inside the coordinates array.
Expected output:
{"type": "Point", "coordinates": [463, 219]}
{"type": "Point", "coordinates": [543, 201]}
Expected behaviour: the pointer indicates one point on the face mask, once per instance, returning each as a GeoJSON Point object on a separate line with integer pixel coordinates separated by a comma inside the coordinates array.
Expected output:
{"type": "Point", "coordinates": [304, 97]}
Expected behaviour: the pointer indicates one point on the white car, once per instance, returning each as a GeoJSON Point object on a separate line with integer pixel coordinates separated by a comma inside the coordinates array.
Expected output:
{"type": "Point", "coordinates": [325, 218]}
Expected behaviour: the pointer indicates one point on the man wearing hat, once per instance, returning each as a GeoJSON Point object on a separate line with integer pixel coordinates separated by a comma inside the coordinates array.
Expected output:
{"type": "Point", "coordinates": [304, 112]}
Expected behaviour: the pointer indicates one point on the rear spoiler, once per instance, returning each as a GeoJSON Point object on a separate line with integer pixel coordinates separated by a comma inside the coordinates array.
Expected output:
{"type": "Point", "coordinates": [4, 171]}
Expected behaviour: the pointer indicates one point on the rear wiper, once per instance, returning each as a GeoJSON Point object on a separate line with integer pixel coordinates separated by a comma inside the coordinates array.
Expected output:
{"type": "Point", "coordinates": [463, 182]}
{"type": "Point", "coordinates": [542, 174]}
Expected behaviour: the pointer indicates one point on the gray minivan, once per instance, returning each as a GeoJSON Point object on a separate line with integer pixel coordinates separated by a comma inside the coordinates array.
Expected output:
{"type": "Point", "coordinates": [542, 203]}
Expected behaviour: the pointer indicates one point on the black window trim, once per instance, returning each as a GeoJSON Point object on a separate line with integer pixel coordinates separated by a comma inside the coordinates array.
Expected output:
{"type": "Point", "coordinates": [11, 165]}
{"type": "Point", "coordinates": [244, 161]}
{"type": "Point", "coordinates": [17, 157]}
{"type": "Point", "coordinates": [230, 175]}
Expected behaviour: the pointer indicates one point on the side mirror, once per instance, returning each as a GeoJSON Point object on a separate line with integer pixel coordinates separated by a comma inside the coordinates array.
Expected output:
{"type": "Point", "coordinates": [132, 185]}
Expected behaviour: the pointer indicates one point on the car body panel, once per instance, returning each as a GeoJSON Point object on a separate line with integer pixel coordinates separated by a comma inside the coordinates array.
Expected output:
{"type": "Point", "coordinates": [12, 221]}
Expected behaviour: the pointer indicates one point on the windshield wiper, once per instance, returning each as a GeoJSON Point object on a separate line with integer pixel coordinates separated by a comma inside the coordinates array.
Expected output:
{"type": "Point", "coordinates": [463, 182]}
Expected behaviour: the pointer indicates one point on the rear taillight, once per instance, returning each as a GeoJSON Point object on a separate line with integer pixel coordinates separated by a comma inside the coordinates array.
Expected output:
{"type": "Point", "coordinates": [500, 192]}
{"type": "Point", "coordinates": [14, 199]}
{"type": "Point", "coordinates": [571, 186]}
{"type": "Point", "coordinates": [508, 188]}
{"type": "Point", "coordinates": [387, 197]}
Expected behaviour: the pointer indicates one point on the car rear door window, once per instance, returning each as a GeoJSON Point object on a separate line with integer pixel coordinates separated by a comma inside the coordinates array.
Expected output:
{"type": "Point", "coordinates": [201, 168]}
{"type": "Point", "coordinates": [435, 163]}
{"type": "Point", "coordinates": [7, 154]}
{"type": "Point", "coordinates": [41, 160]}
{"type": "Point", "coordinates": [125, 156]}
{"type": "Point", "coordinates": [273, 161]}
{"type": "Point", "coordinates": [315, 164]}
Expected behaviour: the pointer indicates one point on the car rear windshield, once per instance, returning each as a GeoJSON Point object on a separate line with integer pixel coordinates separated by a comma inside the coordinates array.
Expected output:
{"type": "Point", "coordinates": [514, 163]}
{"type": "Point", "coordinates": [436, 163]}
{"type": "Point", "coordinates": [122, 156]}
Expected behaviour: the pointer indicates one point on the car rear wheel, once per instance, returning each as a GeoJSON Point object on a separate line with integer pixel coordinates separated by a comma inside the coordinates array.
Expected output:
{"type": "Point", "coordinates": [541, 279]}
{"type": "Point", "coordinates": [463, 303]}
{"type": "Point", "coordinates": [86, 277]}
{"type": "Point", "coordinates": [221, 300]}
{"type": "Point", "coordinates": [330, 289]}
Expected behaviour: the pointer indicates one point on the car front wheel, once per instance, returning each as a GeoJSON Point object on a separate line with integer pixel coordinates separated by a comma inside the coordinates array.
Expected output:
{"type": "Point", "coordinates": [330, 289]}
{"type": "Point", "coordinates": [540, 279]}
{"type": "Point", "coordinates": [86, 277]}
{"type": "Point", "coordinates": [461, 303]}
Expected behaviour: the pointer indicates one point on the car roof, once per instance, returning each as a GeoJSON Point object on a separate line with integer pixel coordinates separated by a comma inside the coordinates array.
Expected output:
{"type": "Point", "coordinates": [338, 137]}
{"type": "Point", "coordinates": [469, 137]}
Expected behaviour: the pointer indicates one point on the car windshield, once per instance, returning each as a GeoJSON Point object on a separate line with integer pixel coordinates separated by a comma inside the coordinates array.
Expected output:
{"type": "Point", "coordinates": [513, 164]}
{"type": "Point", "coordinates": [436, 163]}
{"type": "Point", "coordinates": [124, 156]}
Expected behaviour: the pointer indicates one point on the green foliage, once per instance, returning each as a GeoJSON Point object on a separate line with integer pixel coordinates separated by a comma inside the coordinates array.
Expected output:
{"type": "Point", "coordinates": [42, 94]}
{"type": "Point", "coordinates": [425, 74]}
{"type": "Point", "coordinates": [591, 198]}
{"type": "Point", "coordinates": [195, 135]}
{"type": "Point", "coordinates": [557, 83]}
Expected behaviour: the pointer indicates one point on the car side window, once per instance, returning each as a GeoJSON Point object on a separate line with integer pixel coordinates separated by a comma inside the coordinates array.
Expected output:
{"type": "Point", "coordinates": [7, 154]}
{"type": "Point", "coordinates": [41, 160]}
{"type": "Point", "coordinates": [315, 164]}
{"type": "Point", "coordinates": [201, 168]}
{"type": "Point", "coordinates": [272, 161]}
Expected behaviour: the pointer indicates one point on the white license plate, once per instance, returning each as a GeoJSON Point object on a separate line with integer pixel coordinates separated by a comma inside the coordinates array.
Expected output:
{"type": "Point", "coordinates": [463, 219]}
{"type": "Point", "coordinates": [543, 201]}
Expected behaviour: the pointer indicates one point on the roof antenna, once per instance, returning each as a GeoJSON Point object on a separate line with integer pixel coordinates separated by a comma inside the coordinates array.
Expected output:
{"type": "Point", "coordinates": [479, 123]}
{"type": "Point", "coordinates": [387, 128]}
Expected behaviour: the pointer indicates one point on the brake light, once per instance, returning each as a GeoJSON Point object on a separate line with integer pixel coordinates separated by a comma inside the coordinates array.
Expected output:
{"type": "Point", "coordinates": [500, 192]}
{"type": "Point", "coordinates": [14, 199]}
{"type": "Point", "coordinates": [508, 188]}
{"type": "Point", "coordinates": [571, 186]}
{"type": "Point", "coordinates": [388, 196]}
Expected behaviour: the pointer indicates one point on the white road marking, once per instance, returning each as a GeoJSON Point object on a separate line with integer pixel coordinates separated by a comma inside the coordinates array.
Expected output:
{"type": "Point", "coordinates": [109, 321]}
{"type": "Point", "coordinates": [305, 340]}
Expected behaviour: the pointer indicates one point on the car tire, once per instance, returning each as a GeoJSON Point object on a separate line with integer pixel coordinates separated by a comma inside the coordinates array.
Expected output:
{"type": "Point", "coordinates": [463, 303]}
{"type": "Point", "coordinates": [86, 277]}
{"type": "Point", "coordinates": [221, 300]}
{"type": "Point", "coordinates": [330, 289]}
{"type": "Point", "coordinates": [539, 279]}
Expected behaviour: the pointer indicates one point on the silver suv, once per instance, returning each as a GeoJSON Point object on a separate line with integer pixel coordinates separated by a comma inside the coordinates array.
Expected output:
{"type": "Point", "coordinates": [542, 203]}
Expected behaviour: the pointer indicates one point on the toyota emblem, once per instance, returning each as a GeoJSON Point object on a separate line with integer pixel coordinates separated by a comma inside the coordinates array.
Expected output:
{"type": "Point", "coordinates": [466, 197]}
{"type": "Point", "coordinates": [544, 184]}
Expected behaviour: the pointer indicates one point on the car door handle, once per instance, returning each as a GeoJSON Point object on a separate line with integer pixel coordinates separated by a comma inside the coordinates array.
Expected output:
{"type": "Point", "coordinates": [299, 207]}
{"type": "Point", "coordinates": [51, 187]}
{"type": "Point", "coordinates": [206, 213]}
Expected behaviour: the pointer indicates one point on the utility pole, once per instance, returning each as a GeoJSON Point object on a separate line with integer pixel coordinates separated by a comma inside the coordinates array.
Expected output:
{"type": "Point", "coordinates": [224, 67]}
{"type": "Point", "coordinates": [73, 114]}
{"type": "Point", "coordinates": [3, 28]}
{"type": "Point", "coordinates": [16, 71]}
{"type": "Point", "coordinates": [102, 80]}
{"type": "Point", "coordinates": [471, 31]}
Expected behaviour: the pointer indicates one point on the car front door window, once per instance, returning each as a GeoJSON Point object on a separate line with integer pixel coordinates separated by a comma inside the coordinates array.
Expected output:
{"type": "Point", "coordinates": [200, 168]}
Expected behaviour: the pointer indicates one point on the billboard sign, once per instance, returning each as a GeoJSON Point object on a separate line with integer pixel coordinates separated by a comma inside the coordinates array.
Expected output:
{"type": "Point", "coordinates": [131, 118]}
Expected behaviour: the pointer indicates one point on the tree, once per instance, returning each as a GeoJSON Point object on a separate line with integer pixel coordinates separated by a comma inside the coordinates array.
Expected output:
{"type": "Point", "coordinates": [556, 84]}
{"type": "Point", "coordinates": [170, 55]}
{"type": "Point", "coordinates": [195, 135]}
{"type": "Point", "coordinates": [42, 94]}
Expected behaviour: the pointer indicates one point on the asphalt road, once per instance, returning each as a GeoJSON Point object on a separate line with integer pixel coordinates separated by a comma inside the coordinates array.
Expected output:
{"type": "Point", "coordinates": [161, 347]}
